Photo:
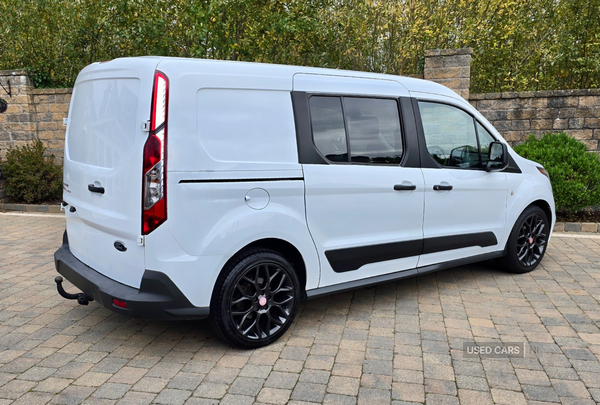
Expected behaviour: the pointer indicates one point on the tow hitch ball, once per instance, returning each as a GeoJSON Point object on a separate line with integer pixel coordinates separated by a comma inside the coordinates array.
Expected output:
{"type": "Point", "coordinates": [81, 298]}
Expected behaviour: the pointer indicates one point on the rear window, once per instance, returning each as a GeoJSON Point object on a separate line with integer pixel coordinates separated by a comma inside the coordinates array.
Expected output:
{"type": "Point", "coordinates": [102, 122]}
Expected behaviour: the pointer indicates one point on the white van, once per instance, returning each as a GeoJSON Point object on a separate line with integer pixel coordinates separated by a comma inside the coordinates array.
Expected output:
{"type": "Point", "coordinates": [197, 188]}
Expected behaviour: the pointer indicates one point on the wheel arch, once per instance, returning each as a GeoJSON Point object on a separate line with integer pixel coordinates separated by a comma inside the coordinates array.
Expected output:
{"type": "Point", "coordinates": [285, 248]}
{"type": "Point", "coordinates": [544, 206]}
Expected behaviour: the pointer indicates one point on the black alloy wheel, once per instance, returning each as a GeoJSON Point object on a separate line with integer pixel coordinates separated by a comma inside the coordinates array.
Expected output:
{"type": "Point", "coordinates": [531, 242]}
{"type": "Point", "coordinates": [527, 241]}
{"type": "Point", "coordinates": [255, 299]}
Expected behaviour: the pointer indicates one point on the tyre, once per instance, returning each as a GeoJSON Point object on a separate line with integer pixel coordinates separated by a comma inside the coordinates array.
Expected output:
{"type": "Point", "coordinates": [527, 241]}
{"type": "Point", "coordinates": [255, 299]}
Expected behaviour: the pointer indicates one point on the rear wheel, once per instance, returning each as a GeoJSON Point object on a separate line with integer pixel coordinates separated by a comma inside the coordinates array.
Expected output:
{"type": "Point", "coordinates": [527, 242]}
{"type": "Point", "coordinates": [256, 299]}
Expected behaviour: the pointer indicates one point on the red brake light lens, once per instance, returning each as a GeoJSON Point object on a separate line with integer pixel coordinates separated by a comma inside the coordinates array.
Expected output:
{"type": "Point", "coordinates": [154, 188]}
{"type": "Point", "coordinates": [119, 303]}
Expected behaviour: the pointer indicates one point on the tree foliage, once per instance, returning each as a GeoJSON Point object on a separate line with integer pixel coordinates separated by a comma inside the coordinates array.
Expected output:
{"type": "Point", "coordinates": [518, 44]}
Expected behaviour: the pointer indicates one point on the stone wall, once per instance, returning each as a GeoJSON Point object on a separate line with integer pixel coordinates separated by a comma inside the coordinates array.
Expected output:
{"type": "Point", "coordinates": [17, 125]}
{"type": "Point", "coordinates": [32, 114]}
{"type": "Point", "coordinates": [50, 107]}
{"type": "Point", "coordinates": [450, 67]}
{"type": "Point", "coordinates": [517, 115]}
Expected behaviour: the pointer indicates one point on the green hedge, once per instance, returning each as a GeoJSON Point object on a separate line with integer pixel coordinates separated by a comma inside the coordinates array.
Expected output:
{"type": "Point", "coordinates": [574, 172]}
{"type": "Point", "coordinates": [31, 177]}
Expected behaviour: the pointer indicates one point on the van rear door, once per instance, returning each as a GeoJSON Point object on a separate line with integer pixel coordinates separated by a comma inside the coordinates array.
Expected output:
{"type": "Point", "coordinates": [103, 166]}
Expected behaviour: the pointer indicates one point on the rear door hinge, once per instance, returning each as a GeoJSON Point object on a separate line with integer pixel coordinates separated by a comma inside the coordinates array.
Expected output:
{"type": "Point", "coordinates": [141, 240]}
{"type": "Point", "coordinates": [146, 126]}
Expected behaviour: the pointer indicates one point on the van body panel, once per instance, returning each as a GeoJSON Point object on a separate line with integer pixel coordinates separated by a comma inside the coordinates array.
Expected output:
{"type": "Point", "coordinates": [477, 202]}
{"type": "Point", "coordinates": [353, 206]}
{"type": "Point", "coordinates": [202, 124]}
{"type": "Point", "coordinates": [103, 148]}
{"type": "Point", "coordinates": [222, 114]}
{"type": "Point", "coordinates": [348, 85]}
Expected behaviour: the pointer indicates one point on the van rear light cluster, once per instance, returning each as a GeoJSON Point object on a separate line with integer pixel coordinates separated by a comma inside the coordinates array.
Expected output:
{"type": "Point", "coordinates": [154, 189]}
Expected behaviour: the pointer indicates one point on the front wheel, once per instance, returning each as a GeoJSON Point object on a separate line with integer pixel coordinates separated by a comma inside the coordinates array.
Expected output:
{"type": "Point", "coordinates": [255, 299]}
{"type": "Point", "coordinates": [527, 242]}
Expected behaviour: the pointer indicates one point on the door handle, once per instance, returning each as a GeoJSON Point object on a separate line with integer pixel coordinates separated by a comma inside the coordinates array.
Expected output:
{"type": "Point", "coordinates": [404, 187]}
{"type": "Point", "coordinates": [442, 187]}
{"type": "Point", "coordinates": [94, 189]}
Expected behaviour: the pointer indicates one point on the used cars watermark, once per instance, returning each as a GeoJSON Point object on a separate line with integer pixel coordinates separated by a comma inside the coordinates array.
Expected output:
{"type": "Point", "coordinates": [493, 349]}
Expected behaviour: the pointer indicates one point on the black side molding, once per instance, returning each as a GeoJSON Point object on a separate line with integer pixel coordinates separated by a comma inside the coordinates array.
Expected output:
{"type": "Point", "coordinates": [349, 259]}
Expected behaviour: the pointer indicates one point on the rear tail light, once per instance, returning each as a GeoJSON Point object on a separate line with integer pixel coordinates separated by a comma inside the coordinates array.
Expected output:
{"type": "Point", "coordinates": [119, 303]}
{"type": "Point", "coordinates": [154, 188]}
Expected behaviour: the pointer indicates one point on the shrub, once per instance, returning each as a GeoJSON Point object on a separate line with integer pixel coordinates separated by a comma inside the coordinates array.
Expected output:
{"type": "Point", "coordinates": [31, 177]}
{"type": "Point", "coordinates": [574, 172]}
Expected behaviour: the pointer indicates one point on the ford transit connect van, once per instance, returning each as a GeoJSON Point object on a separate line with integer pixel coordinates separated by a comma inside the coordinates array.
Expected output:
{"type": "Point", "coordinates": [197, 188]}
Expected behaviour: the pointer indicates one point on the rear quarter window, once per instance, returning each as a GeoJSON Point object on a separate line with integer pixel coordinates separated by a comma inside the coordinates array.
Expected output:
{"type": "Point", "coordinates": [247, 125]}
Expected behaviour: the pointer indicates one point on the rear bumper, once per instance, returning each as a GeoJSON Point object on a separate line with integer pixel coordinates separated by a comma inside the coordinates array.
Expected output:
{"type": "Point", "coordinates": [157, 298]}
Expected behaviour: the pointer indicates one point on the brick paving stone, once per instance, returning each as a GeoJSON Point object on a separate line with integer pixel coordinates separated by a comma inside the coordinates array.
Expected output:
{"type": "Point", "coordinates": [335, 399]}
{"type": "Point", "coordinates": [373, 396]}
{"type": "Point", "coordinates": [232, 399]}
{"type": "Point", "coordinates": [408, 392]}
{"type": "Point", "coordinates": [282, 380]}
{"type": "Point", "coordinates": [308, 392]}
{"type": "Point", "coordinates": [112, 391]}
{"type": "Point", "coordinates": [136, 398]}
{"type": "Point", "coordinates": [246, 386]}
{"type": "Point", "coordinates": [211, 390]}
{"type": "Point", "coordinates": [372, 345]}
{"type": "Point", "coordinates": [274, 395]}
{"type": "Point", "coordinates": [150, 384]}
{"type": "Point", "coordinates": [34, 398]}
{"type": "Point", "coordinates": [377, 381]}
{"type": "Point", "coordinates": [469, 397]}
{"type": "Point", "coordinates": [73, 395]}
{"type": "Point", "coordinates": [172, 397]}
{"type": "Point", "coordinates": [343, 385]}
{"type": "Point", "coordinates": [186, 381]}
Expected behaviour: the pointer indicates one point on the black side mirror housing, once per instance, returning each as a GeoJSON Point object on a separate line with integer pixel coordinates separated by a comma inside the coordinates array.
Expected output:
{"type": "Point", "coordinates": [498, 157]}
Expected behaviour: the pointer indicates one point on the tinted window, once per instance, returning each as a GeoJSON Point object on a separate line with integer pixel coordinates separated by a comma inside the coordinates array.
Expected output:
{"type": "Point", "coordinates": [485, 138]}
{"type": "Point", "coordinates": [449, 135]}
{"type": "Point", "coordinates": [329, 133]}
{"type": "Point", "coordinates": [374, 130]}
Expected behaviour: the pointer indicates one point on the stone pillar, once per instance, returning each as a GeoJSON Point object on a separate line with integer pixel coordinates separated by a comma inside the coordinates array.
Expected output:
{"type": "Point", "coordinates": [450, 67]}
{"type": "Point", "coordinates": [17, 124]}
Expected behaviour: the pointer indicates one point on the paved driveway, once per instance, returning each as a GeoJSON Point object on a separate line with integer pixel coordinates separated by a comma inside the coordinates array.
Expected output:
{"type": "Point", "coordinates": [399, 342]}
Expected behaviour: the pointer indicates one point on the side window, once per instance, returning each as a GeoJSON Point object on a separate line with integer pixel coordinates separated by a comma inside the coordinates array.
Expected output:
{"type": "Point", "coordinates": [449, 135]}
{"type": "Point", "coordinates": [329, 133]}
{"type": "Point", "coordinates": [372, 125]}
{"type": "Point", "coordinates": [374, 130]}
{"type": "Point", "coordinates": [485, 138]}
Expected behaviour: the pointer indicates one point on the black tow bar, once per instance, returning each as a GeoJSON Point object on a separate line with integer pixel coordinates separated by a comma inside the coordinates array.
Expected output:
{"type": "Point", "coordinates": [81, 298]}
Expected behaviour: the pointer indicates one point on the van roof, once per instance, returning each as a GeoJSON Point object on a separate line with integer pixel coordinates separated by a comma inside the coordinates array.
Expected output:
{"type": "Point", "coordinates": [288, 71]}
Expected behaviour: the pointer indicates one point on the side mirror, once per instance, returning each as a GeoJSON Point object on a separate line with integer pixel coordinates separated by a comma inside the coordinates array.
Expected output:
{"type": "Point", "coordinates": [497, 157]}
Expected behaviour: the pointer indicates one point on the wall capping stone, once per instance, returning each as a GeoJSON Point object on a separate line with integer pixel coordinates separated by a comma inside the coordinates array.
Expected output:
{"type": "Point", "coordinates": [449, 52]}
{"type": "Point", "coordinates": [536, 94]}
{"type": "Point", "coordinates": [51, 91]}
{"type": "Point", "coordinates": [18, 72]}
